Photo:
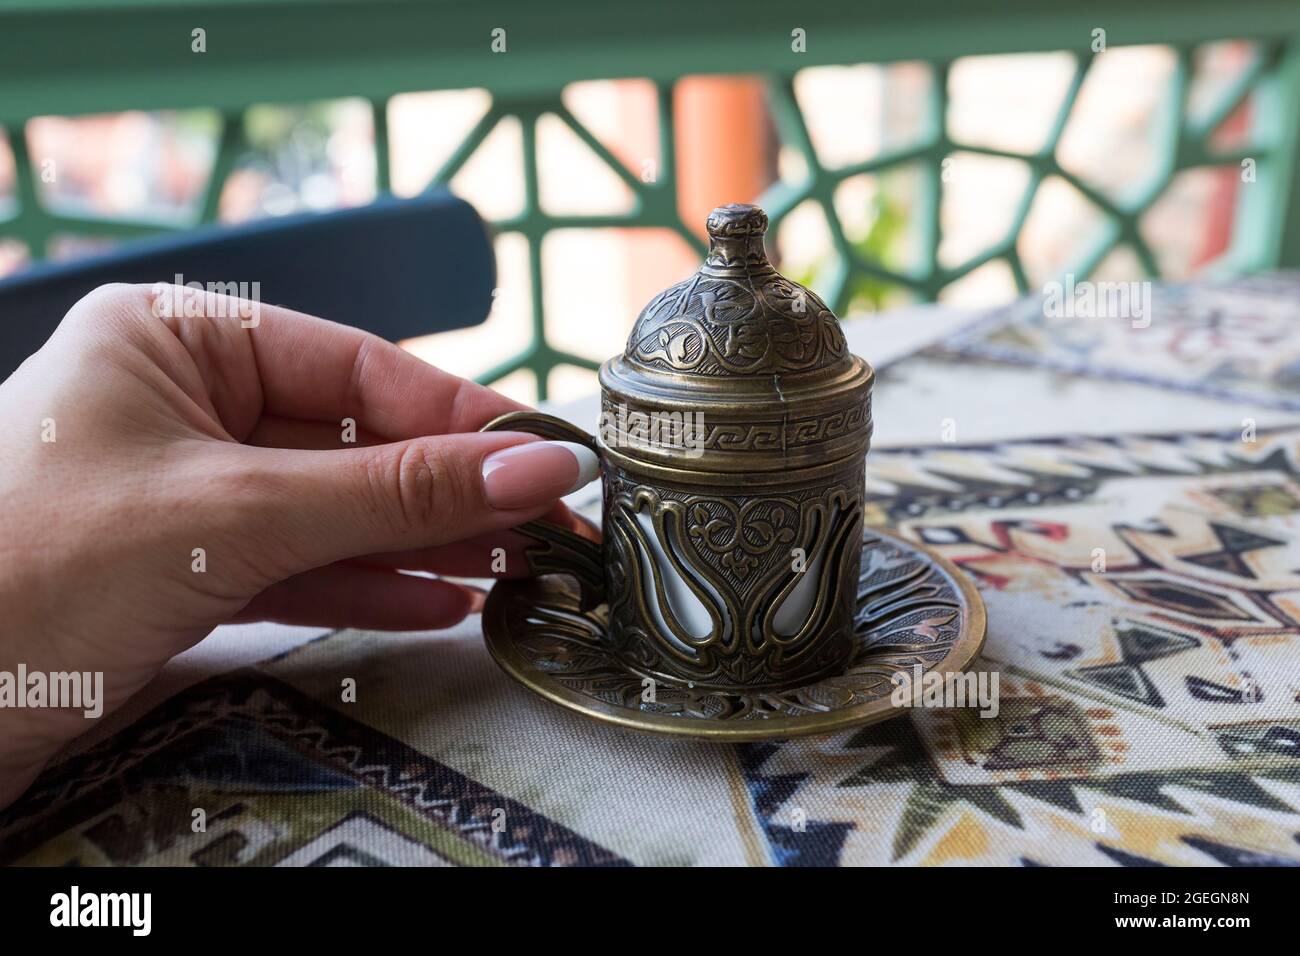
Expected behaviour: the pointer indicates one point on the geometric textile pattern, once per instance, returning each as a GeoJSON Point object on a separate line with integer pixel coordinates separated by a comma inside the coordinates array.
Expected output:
{"type": "Point", "coordinates": [1144, 618]}
{"type": "Point", "coordinates": [1143, 599]}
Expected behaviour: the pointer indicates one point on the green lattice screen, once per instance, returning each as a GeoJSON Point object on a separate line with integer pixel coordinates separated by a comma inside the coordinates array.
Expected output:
{"type": "Point", "coordinates": [1184, 144]}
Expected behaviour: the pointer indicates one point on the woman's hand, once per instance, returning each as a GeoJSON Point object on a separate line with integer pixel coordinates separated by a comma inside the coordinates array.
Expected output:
{"type": "Point", "coordinates": [160, 476]}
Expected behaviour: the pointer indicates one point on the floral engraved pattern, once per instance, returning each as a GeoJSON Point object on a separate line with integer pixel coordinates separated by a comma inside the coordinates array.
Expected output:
{"type": "Point", "coordinates": [759, 324]}
{"type": "Point", "coordinates": [732, 589]}
{"type": "Point", "coordinates": [742, 533]}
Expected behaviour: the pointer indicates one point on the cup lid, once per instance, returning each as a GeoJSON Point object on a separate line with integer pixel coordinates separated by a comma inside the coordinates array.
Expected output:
{"type": "Point", "coordinates": [737, 316]}
{"type": "Point", "coordinates": [760, 356]}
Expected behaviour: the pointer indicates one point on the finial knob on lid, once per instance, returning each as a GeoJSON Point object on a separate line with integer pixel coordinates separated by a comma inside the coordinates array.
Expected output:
{"type": "Point", "coordinates": [735, 220]}
{"type": "Point", "coordinates": [736, 238]}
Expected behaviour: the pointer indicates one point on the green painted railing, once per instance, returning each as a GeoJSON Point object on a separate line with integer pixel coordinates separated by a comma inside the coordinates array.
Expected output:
{"type": "Point", "coordinates": [70, 57]}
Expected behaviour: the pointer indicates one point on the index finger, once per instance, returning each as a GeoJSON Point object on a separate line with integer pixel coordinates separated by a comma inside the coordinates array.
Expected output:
{"type": "Point", "coordinates": [319, 370]}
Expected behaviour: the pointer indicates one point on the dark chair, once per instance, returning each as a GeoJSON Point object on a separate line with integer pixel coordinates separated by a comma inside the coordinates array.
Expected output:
{"type": "Point", "coordinates": [398, 268]}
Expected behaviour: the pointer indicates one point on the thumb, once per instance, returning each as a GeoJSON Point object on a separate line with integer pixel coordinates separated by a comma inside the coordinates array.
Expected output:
{"type": "Point", "coordinates": [327, 506]}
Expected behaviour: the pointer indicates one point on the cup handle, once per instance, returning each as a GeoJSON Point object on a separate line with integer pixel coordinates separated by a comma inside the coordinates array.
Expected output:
{"type": "Point", "coordinates": [560, 551]}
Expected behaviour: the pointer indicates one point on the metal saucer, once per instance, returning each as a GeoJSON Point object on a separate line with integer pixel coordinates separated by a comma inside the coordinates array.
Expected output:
{"type": "Point", "coordinates": [914, 608]}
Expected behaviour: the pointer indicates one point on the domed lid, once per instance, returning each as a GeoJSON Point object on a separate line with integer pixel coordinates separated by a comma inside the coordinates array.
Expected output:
{"type": "Point", "coordinates": [758, 363]}
{"type": "Point", "coordinates": [737, 316]}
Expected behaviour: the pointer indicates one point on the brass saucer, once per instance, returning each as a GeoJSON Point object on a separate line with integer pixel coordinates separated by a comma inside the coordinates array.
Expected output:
{"type": "Point", "coordinates": [913, 608]}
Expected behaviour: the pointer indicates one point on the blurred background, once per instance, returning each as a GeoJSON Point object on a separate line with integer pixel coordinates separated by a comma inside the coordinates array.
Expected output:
{"type": "Point", "coordinates": [966, 181]}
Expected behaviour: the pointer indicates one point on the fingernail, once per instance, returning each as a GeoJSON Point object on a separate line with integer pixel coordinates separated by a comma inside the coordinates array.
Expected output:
{"type": "Point", "coordinates": [524, 476]}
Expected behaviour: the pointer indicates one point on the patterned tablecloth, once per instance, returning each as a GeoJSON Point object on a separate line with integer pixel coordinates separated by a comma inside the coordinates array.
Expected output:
{"type": "Point", "coordinates": [1148, 711]}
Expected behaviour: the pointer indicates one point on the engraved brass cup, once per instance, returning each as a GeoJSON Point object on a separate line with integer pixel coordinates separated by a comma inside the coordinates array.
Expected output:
{"type": "Point", "coordinates": [732, 439]}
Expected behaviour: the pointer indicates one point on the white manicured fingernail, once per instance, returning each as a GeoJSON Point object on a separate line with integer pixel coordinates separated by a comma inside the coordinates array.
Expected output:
{"type": "Point", "coordinates": [533, 473]}
{"type": "Point", "coordinates": [588, 463]}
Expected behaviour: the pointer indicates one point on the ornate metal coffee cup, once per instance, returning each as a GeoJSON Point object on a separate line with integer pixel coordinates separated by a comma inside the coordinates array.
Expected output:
{"type": "Point", "coordinates": [733, 435]}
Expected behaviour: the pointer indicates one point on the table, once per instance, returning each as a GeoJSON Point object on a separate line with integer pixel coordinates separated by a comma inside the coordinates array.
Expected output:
{"type": "Point", "coordinates": [1149, 704]}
